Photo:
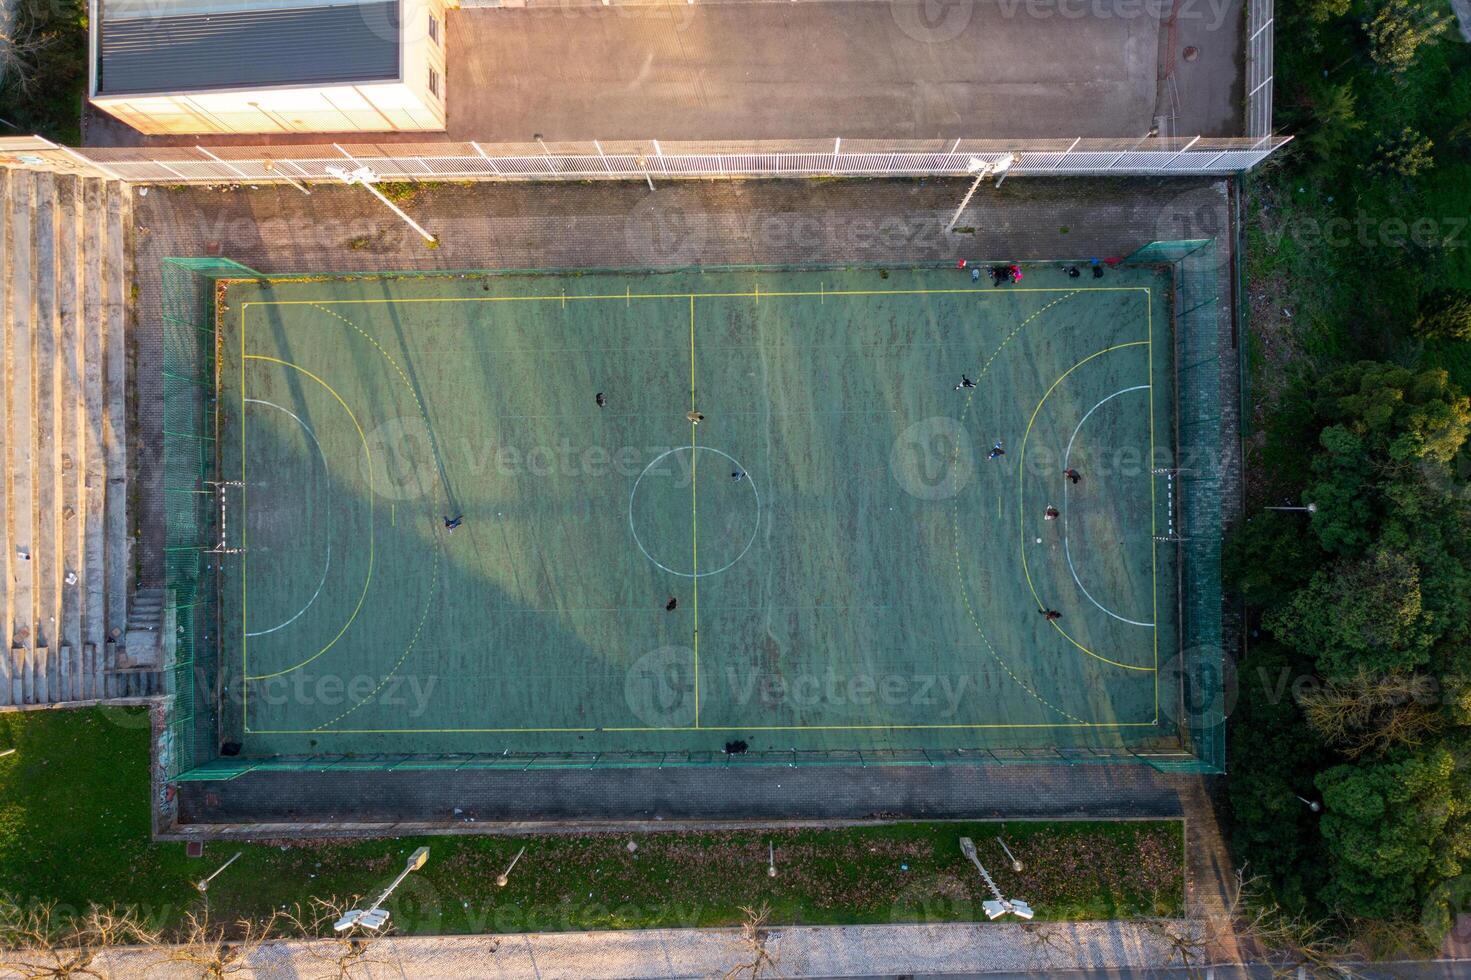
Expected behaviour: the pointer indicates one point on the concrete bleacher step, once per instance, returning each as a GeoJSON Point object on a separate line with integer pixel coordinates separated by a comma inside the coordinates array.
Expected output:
{"type": "Point", "coordinates": [116, 274]}
{"type": "Point", "coordinates": [6, 370]}
{"type": "Point", "coordinates": [21, 432]}
{"type": "Point", "coordinates": [65, 550]}
{"type": "Point", "coordinates": [145, 625]}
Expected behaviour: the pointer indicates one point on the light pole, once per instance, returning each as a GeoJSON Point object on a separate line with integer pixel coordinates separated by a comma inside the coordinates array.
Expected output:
{"type": "Point", "coordinates": [982, 170]}
{"type": "Point", "coordinates": [203, 884]}
{"type": "Point", "coordinates": [376, 915]}
{"type": "Point", "coordinates": [1015, 864]}
{"type": "Point", "coordinates": [770, 859]}
{"type": "Point", "coordinates": [1000, 906]}
{"type": "Point", "coordinates": [506, 875]}
{"type": "Point", "coordinates": [366, 177]}
{"type": "Point", "coordinates": [1313, 805]}
{"type": "Point", "coordinates": [7, 752]}
{"type": "Point", "coordinates": [1306, 508]}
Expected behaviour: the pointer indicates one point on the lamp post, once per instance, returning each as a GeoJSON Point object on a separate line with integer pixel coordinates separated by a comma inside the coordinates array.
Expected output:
{"type": "Point", "coordinates": [203, 884]}
{"type": "Point", "coordinates": [367, 178]}
{"type": "Point", "coordinates": [1000, 906]}
{"type": "Point", "coordinates": [770, 859]}
{"type": "Point", "coordinates": [982, 170]}
{"type": "Point", "coordinates": [505, 876]}
{"type": "Point", "coordinates": [1313, 805]}
{"type": "Point", "coordinates": [375, 915]}
{"type": "Point", "coordinates": [6, 752]}
{"type": "Point", "coordinates": [1306, 508]}
{"type": "Point", "coordinates": [1015, 864]}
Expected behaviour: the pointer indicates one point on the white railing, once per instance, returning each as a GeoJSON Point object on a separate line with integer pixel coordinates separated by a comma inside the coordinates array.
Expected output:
{"type": "Point", "coordinates": [651, 159]}
{"type": "Point", "coordinates": [1261, 29]}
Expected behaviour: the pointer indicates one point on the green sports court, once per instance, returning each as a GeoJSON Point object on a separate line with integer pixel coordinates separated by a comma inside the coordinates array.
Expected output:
{"type": "Point", "coordinates": [785, 457]}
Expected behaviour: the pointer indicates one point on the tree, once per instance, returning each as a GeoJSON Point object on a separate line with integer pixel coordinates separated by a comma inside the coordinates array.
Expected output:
{"type": "Point", "coordinates": [1272, 760]}
{"type": "Point", "coordinates": [754, 938]}
{"type": "Point", "coordinates": [212, 952]}
{"type": "Point", "coordinates": [1334, 115]}
{"type": "Point", "coordinates": [1359, 615]}
{"type": "Point", "coordinates": [1379, 427]}
{"type": "Point", "coordinates": [1399, 413]}
{"type": "Point", "coordinates": [1445, 314]}
{"type": "Point", "coordinates": [1268, 557]}
{"type": "Point", "coordinates": [38, 941]}
{"type": "Point", "coordinates": [1398, 30]}
{"type": "Point", "coordinates": [1390, 828]}
{"type": "Point", "coordinates": [1371, 714]}
{"type": "Point", "coordinates": [1408, 154]}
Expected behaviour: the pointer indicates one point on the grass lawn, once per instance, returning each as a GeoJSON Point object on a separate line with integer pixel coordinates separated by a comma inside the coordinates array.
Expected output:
{"type": "Point", "coordinates": [74, 829]}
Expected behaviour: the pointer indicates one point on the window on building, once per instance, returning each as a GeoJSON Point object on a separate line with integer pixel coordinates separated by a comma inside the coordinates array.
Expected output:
{"type": "Point", "coordinates": [434, 28]}
{"type": "Point", "coordinates": [433, 81]}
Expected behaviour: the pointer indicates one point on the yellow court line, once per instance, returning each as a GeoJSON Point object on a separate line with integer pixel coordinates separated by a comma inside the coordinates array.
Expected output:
{"type": "Point", "coordinates": [1153, 516]}
{"type": "Point", "coordinates": [695, 512]}
{"type": "Point", "coordinates": [628, 297]}
{"type": "Point", "coordinates": [1021, 504]}
{"type": "Point", "coordinates": [368, 579]}
{"type": "Point", "coordinates": [708, 728]}
{"type": "Point", "coordinates": [244, 543]}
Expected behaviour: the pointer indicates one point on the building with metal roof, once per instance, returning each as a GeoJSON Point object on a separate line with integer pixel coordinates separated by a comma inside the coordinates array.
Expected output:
{"type": "Point", "coordinates": [270, 66]}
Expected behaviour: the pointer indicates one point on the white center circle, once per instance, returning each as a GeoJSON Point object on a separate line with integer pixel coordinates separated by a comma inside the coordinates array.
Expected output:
{"type": "Point", "coordinates": [745, 479]}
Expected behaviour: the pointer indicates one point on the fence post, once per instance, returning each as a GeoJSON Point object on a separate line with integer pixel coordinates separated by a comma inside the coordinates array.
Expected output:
{"type": "Point", "coordinates": [1166, 164]}
{"type": "Point", "coordinates": [238, 172]}
{"type": "Point", "coordinates": [1065, 154]}
{"type": "Point", "coordinates": [496, 170]}
{"type": "Point", "coordinates": [950, 157]}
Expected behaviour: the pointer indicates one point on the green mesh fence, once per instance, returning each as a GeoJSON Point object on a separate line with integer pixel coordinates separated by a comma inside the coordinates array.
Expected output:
{"type": "Point", "coordinates": [192, 518]}
{"type": "Point", "coordinates": [1198, 474]}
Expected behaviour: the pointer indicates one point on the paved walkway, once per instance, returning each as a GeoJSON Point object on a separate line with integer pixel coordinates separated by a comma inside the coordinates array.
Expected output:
{"type": "Point", "coordinates": [834, 951]}
{"type": "Point", "coordinates": [859, 69]}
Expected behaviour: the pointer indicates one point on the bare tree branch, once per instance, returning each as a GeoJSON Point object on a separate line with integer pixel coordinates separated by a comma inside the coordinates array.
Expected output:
{"type": "Point", "coordinates": [754, 937]}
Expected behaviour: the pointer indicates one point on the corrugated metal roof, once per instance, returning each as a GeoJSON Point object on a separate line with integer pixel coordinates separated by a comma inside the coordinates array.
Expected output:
{"type": "Point", "coordinates": [252, 49]}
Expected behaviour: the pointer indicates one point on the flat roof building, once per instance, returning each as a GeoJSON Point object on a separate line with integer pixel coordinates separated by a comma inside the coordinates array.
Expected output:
{"type": "Point", "coordinates": [270, 66]}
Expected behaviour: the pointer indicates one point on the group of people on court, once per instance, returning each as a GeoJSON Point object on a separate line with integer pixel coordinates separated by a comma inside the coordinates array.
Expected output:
{"type": "Point", "coordinates": [1049, 513]}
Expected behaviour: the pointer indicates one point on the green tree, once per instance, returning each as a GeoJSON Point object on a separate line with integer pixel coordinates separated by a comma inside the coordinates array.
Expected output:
{"type": "Point", "coordinates": [1268, 557]}
{"type": "Point", "coordinates": [1392, 830]}
{"type": "Point", "coordinates": [1399, 29]}
{"type": "Point", "coordinates": [1408, 154]}
{"type": "Point", "coordinates": [1358, 615]}
{"type": "Point", "coordinates": [1272, 760]}
{"type": "Point", "coordinates": [1445, 314]}
{"type": "Point", "coordinates": [1398, 414]}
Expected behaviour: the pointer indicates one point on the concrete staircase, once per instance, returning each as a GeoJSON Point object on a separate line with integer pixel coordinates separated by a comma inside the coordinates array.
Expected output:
{"type": "Point", "coordinates": [65, 562]}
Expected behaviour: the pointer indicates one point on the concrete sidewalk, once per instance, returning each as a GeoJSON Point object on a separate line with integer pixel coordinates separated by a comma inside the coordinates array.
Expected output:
{"type": "Point", "coordinates": [856, 69]}
{"type": "Point", "coordinates": [832, 951]}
